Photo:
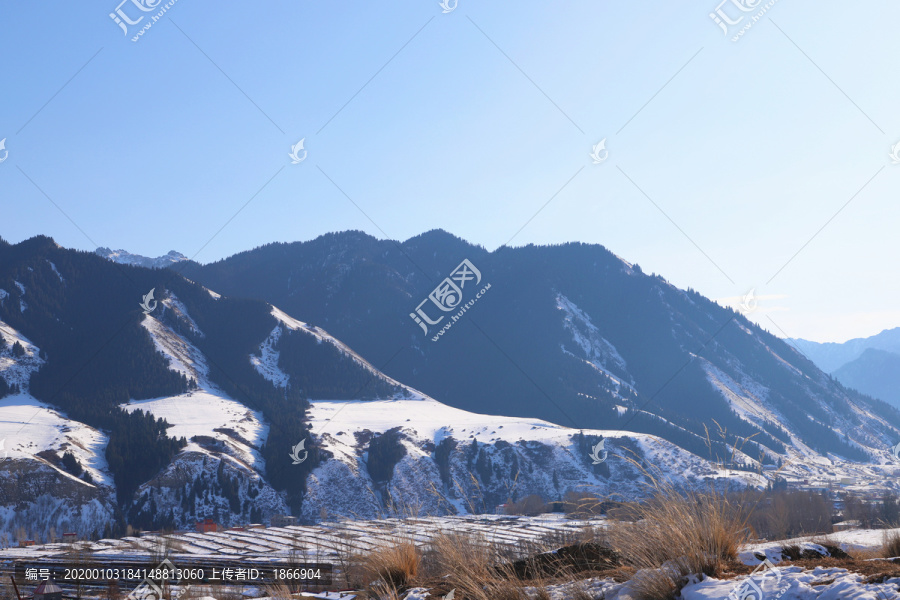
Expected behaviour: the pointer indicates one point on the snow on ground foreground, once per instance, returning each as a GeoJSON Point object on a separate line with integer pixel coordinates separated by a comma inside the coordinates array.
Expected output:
{"type": "Point", "coordinates": [848, 540]}
{"type": "Point", "coordinates": [795, 584]}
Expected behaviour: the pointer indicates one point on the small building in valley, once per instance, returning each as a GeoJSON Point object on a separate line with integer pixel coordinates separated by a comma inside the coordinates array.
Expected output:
{"type": "Point", "coordinates": [48, 590]}
{"type": "Point", "coordinates": [282, 520]}
{"type": "Point", "coordinates": [207, 526]}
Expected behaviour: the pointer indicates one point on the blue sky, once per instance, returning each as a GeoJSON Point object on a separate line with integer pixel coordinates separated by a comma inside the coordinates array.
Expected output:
{"type": "Point", "coordinates": [726, 159]}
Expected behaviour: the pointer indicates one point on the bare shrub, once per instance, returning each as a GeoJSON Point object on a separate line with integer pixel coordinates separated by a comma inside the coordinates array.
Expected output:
{"type": "Point", "coordinates": [528, 506]}
{"type": "Point", "coordinates": [789, 513]}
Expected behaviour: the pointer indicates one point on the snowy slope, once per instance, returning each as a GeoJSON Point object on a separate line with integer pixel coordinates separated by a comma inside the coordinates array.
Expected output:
{"type": "Point", "coordinates": [523, 457]}
{"type": "Point", "coordinates": [29, 426]}
{"type": "Point", "coordinates": [219, 430]}
{"type": "Point", "coordinates": [323, 336]}
{"type": "Point", "coordinates": [266, 363]}
{"type": "Point", "coordinates": [17, 371]}
{"type": "Point", "coordinates": [238, 430]}
{"type": "Point", "coordinates": [592, 347]}
{"type": "Point", "coordinates": [206, 411]}
{"type": "Point", "coordinates": [35, 494]}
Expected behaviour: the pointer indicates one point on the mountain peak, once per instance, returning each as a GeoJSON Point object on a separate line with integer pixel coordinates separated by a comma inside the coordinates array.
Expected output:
{"type": "Point", "coordinates": [127, 258]}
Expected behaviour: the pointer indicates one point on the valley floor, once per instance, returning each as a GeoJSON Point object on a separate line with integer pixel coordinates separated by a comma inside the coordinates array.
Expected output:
{"type": "Point", "coordinates": [819, 569]}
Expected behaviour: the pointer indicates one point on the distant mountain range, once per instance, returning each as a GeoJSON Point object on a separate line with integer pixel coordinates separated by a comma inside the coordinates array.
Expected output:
{"type": "Point", "coordinates": [127, 258]}
{"type": "Point", "coordinates": [870, 365]}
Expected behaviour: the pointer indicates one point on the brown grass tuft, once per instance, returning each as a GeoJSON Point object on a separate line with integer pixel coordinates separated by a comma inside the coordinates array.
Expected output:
{"type": "Point", "coordinates": [688, 533]}
{"type": "Point", "coordinates": [468, 564]}
{"type": "Point", "coordinates": [890, 545]}
{"type": "Point", "coordinates": [396, 566]}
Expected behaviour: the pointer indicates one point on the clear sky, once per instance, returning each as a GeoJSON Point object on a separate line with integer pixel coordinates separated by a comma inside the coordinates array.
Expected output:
{"type": "Point", "coordinates": [725, 159]}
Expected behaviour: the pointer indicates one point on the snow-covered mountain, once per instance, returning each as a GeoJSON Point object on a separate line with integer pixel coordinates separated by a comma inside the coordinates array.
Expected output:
{"type": "Point", "coordinates": [127, 258]}
{"type": "Point", "coordinates": [571, 334]}
{"type": "Point", "coordinates": [375, 446]}
{"type": "Point", "coordinates": [205, 405]}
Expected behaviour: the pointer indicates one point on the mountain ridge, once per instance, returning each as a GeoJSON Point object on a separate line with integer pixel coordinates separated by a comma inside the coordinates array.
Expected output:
{"type": "Point", "coordinates": [179, 420]}
{"type": "Point", "coordinates": [519, 345]}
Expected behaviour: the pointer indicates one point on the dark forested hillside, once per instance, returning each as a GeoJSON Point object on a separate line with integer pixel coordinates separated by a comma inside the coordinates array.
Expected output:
{"type": "Point", "coordinates": [84, 314]}
{"type": "Point", "coordinates": [570, 333]}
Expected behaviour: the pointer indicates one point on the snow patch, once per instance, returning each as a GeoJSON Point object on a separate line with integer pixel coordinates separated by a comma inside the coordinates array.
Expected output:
{"type": "Point", "coordinates": [238, 430]}
{"type": "Point", "coordinates": [18, 370]}
{"type": "Point", "coordinates": [22, 304]}
{"type": "Point", "coordinates": [595, 350]}
{"type": "Point", "coordinates": [184, 357]}
{"type": "Point", "coordinates": [55, 270]}
{"type": "Point", "coordinates": [266, 363]}
{"type": "Point", "coordinates": [174, 304]}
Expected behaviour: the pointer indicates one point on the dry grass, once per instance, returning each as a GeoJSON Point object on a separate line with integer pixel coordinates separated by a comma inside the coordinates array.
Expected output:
{"type": "Point", "coordinates": [660, 541]}
{"type": "Point", "coordinates": [890, 545]}
{"type": "Point", "coordinates": [396, 566]}
{"type": "Point", "coordinates": [278, 591]}
{"type": "Point", "coordinates": [688, 533]}
{"type": "Point", "coordinates": [468, 563]}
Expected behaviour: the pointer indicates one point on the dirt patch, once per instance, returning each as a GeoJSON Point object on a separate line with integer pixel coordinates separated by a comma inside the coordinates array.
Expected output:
{"type": "Point", "coordinates": [576, 558]}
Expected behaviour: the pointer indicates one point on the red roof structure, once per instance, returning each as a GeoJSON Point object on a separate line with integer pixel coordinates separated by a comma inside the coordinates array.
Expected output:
{"type": "Point", "coordinates": [48, 590]}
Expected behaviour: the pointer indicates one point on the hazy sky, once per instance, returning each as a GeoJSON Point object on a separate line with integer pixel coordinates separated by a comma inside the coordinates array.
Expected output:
{"type": "Point", "coordinates": [759, 164]}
